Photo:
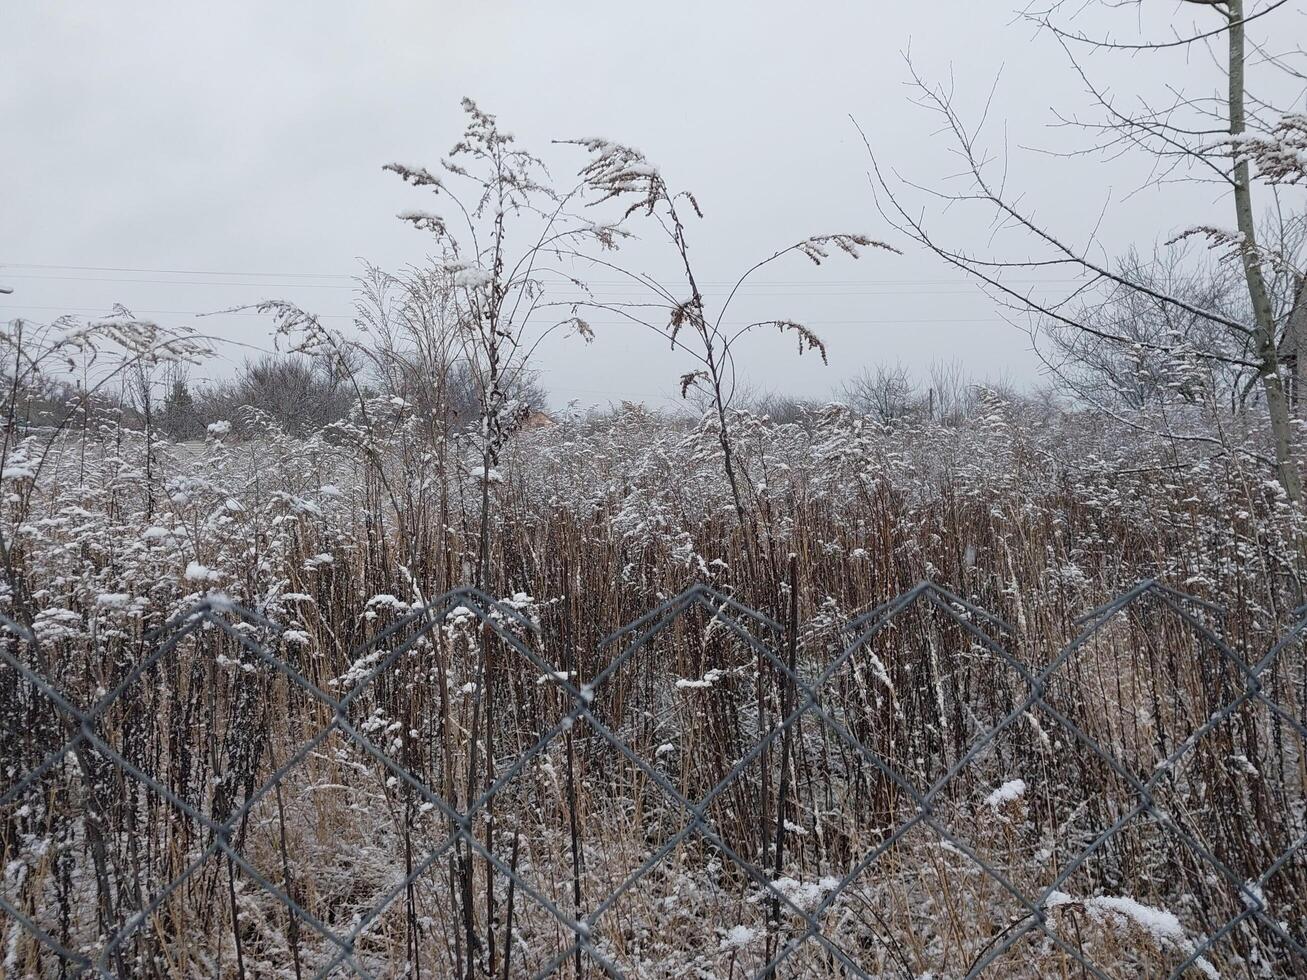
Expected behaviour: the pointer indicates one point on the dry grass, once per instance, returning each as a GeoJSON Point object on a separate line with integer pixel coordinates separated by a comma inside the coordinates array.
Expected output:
{"type": "Point", "coordinates": [87, 844]}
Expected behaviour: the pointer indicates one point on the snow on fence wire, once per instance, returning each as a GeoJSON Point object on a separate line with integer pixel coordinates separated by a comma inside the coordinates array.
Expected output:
{"type": "Point", "coordinates": [477, 791]}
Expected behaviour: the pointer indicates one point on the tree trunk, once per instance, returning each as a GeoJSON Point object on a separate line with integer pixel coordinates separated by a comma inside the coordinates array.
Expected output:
{"type": "Point", "coordinates": [1295, 347]}
{"type": "Point", "coordinates": [1277, 402]}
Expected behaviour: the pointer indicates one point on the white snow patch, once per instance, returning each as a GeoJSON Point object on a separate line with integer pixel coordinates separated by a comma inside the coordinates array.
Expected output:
{"type": "Point", "coordinates": [805, 895]}
{"type": "Point", "coordinates": [737, 936]}
{"type": "Point", "coordinates": [1162, 925]}
{"type": "Point", "coordinates": [1012, 790]}
{"type": "Point", "coordinates": [708, 680]}
{"type": "Point", "coordinates": [195, 572]}
{"type": "Point", "coordinates": [473, 277]}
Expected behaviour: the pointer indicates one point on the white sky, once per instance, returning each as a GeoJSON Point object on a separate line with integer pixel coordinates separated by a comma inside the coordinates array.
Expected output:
{"type": "Point", "coordinates": [246, 139]}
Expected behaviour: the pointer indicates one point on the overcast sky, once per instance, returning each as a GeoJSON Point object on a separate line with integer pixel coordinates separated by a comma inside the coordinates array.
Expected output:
{"type": "Point", "coordinates": [179, 157]}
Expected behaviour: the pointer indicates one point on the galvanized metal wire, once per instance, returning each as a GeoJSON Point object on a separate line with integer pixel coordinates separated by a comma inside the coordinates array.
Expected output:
{"type": "Point", "coordinates": [82, 742]}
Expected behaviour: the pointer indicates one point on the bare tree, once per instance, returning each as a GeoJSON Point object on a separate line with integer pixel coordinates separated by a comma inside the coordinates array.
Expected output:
{"type": "Point", "coordinates": [783, 409]}
{"type": "Point", "coordinates": [411, 319]}
{"type": "Point", "coordinates": [1142, 351]}
{"type": "Point", "coordinates": [887, 394]}
{"type": "Point", "coordinates": [947, 395]}
{"type": "Point", "coordinates": [1206, 138]}
{"type": "Point", "coordinates": [299, 394]}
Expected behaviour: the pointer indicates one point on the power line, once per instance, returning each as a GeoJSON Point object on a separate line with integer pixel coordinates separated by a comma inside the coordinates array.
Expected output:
{"type": "Point", "coordinates": [809, 289]}
{"type": "Point", "coordinates": [596, 323]}
{"type": "Point", "coordinates": [178, 272]}
{"type": "Point", "coordinates": [181, 282]}
{"type": "Point", "coordinates": [609, 282]}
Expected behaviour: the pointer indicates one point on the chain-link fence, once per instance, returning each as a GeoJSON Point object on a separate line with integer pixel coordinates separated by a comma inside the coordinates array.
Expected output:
{"type": "Point", "coordinates": [477, 791]}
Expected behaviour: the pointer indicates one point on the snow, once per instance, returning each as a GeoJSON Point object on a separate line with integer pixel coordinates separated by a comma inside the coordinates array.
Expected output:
{"type": "Point", "coordinates": [708, 680]}
{"type": "Point", "coordinates": [1163, 926]}
{"type": "Point", "coordinates": [1012, 790]}
{"type": "Point", "coordinates": [57, 624]}
{"type": "Point", "coordinates": [195, 572]}
{"type": "Point", "coordinates": [803, 895]}
{"type": "Point", "coordinates": [473, 277]}
{"type": "Point", "coordinates": [738, 936]}
{"type": "Point", "coordinates": [113, 600]}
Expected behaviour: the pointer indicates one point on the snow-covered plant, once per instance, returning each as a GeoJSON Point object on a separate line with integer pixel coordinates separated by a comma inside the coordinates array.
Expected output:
{"type": "Point", "coordinates": [623, 174]}
{"type": "Point", "coordinates": [510, 225]}
{"type": "Point", "coordinates": [55, 378]}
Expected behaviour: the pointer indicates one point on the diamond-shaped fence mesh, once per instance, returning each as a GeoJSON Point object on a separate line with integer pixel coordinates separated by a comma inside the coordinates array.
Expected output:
{"type": "Point", "coordinates": [707, 792]}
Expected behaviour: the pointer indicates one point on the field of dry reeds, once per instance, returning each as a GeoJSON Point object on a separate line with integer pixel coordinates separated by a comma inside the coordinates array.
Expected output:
{"type": "Point", "coordinates": [335, 767]}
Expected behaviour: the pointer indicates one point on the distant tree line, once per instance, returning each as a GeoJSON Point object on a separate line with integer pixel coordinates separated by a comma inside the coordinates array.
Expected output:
{"type": "Point", "coordinates": [302, 395]}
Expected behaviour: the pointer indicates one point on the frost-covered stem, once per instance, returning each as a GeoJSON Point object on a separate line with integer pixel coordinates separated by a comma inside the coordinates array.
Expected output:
{"type": "Point", "coordinates": [512, 895]}
{"type": "Point", "coordinates": [412, 928]}
{"type": "Point", "coordinates": [714, 363]}
{"type": "Point", "coordinates": [94, 825]}
{"type": "Point", "coordinates": [1277, 403]}
{"type": "Point", "coordinates": [147, 411]}
{"type": "Point", "coordinates": [569, 664]}
{"type": "Point", "coordinates": [487, 781]}
{"type": "Point", "coordinates": [483, 550]}
{"type": "Point", "coordinates": [491, 396]}
{"type": "Point", "coordinates": [12, 573]}
{"type": "Point", "coordinates": [292, 920]}
{"type": "Point", "coordinates": [787, 741]}
{"type": "Point", "coordinates": [11, 415]}
{"type": "Point", "coordinates": [468, 871]}
{"type": "Point", "coordinates": [235, 918]}
{"type": "Point", "coordinates": [728, 453]}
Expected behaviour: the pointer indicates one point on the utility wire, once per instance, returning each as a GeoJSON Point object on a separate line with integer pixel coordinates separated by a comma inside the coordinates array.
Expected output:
{"type": "Point", "coordinates": [596, 323]}
{"type": "Point", "coordinates": [353, 279]}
